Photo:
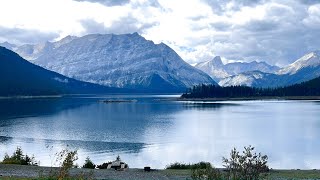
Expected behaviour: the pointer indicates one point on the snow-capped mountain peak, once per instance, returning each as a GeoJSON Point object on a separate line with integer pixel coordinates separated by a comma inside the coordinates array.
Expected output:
{"type": "Point", "coordinates": [127, 61]}
{"type": "Point", "coordinates": [8, 45]}
{"type": "Point", "coordinates": [216, 61]}
{"type": "Point", "coordinates": [64, 40]}
{"type": "Point", "coordinates": [214, 68]}
{"type": "Point", "coordinates": [304, 69]}
{"type": "Point", "coordinates": [309, 60]}
{"type": "Point", "coordinates": [218, 71]}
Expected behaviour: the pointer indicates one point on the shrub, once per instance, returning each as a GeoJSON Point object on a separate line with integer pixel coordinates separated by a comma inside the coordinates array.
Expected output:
{"type": "Point", "coordinates": [18, 158]}
{"type": "Point", "coordinates": [246, 166]}
{"type": "Point", "coordinates": [66, 158]}
{"type": "Point", "coordinates": [200, 165]}
{"type": "Point", "coordinates": [88, 164]}
{"type": "Point", "coordinates": [208, 173]}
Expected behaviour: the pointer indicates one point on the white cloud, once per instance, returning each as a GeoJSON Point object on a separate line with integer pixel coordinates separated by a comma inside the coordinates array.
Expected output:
{"type": "Point", "coordinates": [278, 31]}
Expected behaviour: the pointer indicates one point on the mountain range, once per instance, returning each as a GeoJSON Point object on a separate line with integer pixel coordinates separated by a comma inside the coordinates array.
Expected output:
{"type": "Point", "coordinates": [303, 69]}
{"type": "Point", "coordinates": [261, 74]}
{"type": "Point", "coordinates": [130, 61]}
{"type": "Point", "coordinates": [123, 61]}
{"type": "Point", "coordinates": [22, 78]}
{"type": "Point", "coordinates": [218, 71]}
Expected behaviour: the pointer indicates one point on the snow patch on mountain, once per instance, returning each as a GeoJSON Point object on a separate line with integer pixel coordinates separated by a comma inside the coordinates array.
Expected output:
{"type": "Point", "coordinates": [8, 45]}
{"type": "Point", "coordinates": [309, 60]}
{"type": "Point", "coordinates": [61, 80]}
{"type": "Point", "coordinates": [304, 69]}
{"type": "Point", "coordinates": [218, 71]}
{"type": "Point", "coordinates": [242, 79]}
{"type": "Point", "coordinates": [127, 60]}
{"type": "Point", "coordinates": [214, 68]}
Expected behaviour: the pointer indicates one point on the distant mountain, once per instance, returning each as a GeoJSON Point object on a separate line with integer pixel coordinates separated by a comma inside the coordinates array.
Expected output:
{"type": "Point", "coordinates": [20, 77]}
{"type": "Point", "coordinates": [304, 69]}
{"type": "Point", "coordinates": [218, 71]}
{"type": "Point", "coordinates": [33, 51]}
{"type": "Point", "coordinates": [126, 61]}
{"type": "Point", "coordinates": [8, 45]}
{"type": "Point", "coordinates": [310, 60]}
{"type": "Point", "coordinates": [251, 79]}
{"type": "Point", "coordinates": [214, 68]}
{"type": "Point", "coordinates": [239, 67]}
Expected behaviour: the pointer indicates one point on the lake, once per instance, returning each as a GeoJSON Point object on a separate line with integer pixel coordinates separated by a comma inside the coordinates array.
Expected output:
{"type": "Point", "coordinates": [155, 131]}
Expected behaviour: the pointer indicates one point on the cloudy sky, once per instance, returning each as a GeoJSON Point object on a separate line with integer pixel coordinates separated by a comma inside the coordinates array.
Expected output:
{"type": "Point", "coordinates": [276, 31]}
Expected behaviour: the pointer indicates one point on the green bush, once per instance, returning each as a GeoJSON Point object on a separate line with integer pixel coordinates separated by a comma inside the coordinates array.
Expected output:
{"type": "Point", "coordinates": [18, 158]}
{"type": "Point", "coordinates": [208, 173]}
{"type": "Point", "coordinates": [246, 166]}
{"type": "Point", "coordinates": [88, 164]}
{"type": "Point", "coordinates": [66, 159]}
{"type": "Point", "coordinates": [200, 165]}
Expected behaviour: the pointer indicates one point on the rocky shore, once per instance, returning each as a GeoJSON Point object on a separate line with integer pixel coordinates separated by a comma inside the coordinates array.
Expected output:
{"type": "Point", "coordinates": [20, 171]}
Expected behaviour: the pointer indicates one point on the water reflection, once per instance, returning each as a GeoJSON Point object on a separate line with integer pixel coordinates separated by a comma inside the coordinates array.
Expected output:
{"type": "Point", "coordinates": [207, 105]}
{"type": "Point", "coordinates": [156, 132]}
{"type": "Point", "coordinates": [90, 146]}
{"type": "Point", "coordinates": [15, 108]}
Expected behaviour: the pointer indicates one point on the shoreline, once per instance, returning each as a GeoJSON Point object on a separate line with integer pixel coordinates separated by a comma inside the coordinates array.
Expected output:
{"type": "Point", "coordinates": [252, 98]}
{"type": "Point", "coordinates": [26, 172]}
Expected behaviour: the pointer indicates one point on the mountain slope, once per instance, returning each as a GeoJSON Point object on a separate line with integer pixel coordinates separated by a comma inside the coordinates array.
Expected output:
{"type": "Point", "coordinates": [304, 69]}
{"type": "Point", "coordinates": [218, 71]}
{"type": "Point", "coordinates": [126, 61]}
{"type": "Point", "coordinates": [8, 45]}
{"type": "Point", "coordinates": [214, 68]}
{"type": "Point", "coordinates": [251, 79]}
{"type": "Point", "coordinates": [310, 60]}
{"type": "Point", "coordinates": [20, 77]}
{"type": "Point", "coordinates": [239, 67]}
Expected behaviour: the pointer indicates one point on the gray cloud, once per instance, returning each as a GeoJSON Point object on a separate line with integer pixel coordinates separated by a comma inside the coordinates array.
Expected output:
{"type": "Point", "coordinates": [152, 3]}
{"type": "Point", "coordinates": [107, 2]}
{"type": "Point", "coordinates": [91, 26]}
{"type": "Point", "coordinates": [288, 29]}
{"type": "Point", "coordinates": [123, 25]}
{"type": "Point", "coordinates": [309, 2]}
{"type": "Point", "coordinates": [24, 36]}
{"type": "Point", "coordinates": [258, 26]}
{"type": "Point", "coordinates": [219, 6]}
{"type": "Point", "coordinates": [287, 32]}
{"type": "Point", "coordinates": [221, 26]}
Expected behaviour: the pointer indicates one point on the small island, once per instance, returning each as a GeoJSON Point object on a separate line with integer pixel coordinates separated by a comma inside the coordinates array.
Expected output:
{"type": "Point", "coordinates": [119, 100]}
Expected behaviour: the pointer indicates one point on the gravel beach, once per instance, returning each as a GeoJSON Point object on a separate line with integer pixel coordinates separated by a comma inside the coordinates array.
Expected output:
{"type": "Point", "coordinates": [33, 172]}
{"type": "Point", "coordinates": [19, 171]}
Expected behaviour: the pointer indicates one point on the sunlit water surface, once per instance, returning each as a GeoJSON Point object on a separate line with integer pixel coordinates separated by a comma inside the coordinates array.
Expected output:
{"type": "Point", "coordinates": [156, 131]}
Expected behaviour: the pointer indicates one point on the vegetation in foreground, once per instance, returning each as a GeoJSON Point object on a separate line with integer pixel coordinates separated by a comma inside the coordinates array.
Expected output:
{"type": "Point", "coordinates": [247, 165]}
{"type": "Point", "coordinates": [88, 164]}
{"type": "Point", "coordinates": [200, 165]}
{"type": "Point", "coordinates": [19, 158]}
{"type": "Point", "coordinates": [309, 88]}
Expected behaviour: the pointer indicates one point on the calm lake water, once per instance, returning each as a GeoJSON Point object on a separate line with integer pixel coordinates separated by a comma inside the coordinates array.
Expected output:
{"type": "Point", "coordinates": [154, 131]}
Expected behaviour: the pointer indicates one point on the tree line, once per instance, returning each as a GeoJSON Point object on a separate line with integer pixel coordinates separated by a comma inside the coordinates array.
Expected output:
{"type": "Point", "coordinates": [308, 88]}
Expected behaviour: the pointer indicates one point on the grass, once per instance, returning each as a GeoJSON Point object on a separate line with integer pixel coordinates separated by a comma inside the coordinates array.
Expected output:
{"type": "Point", "coordinates": [200, 165]}
{"type": "Point", "coordinates": [295, 174]}
{"type": "Point", "coordinates": [274, 174]}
